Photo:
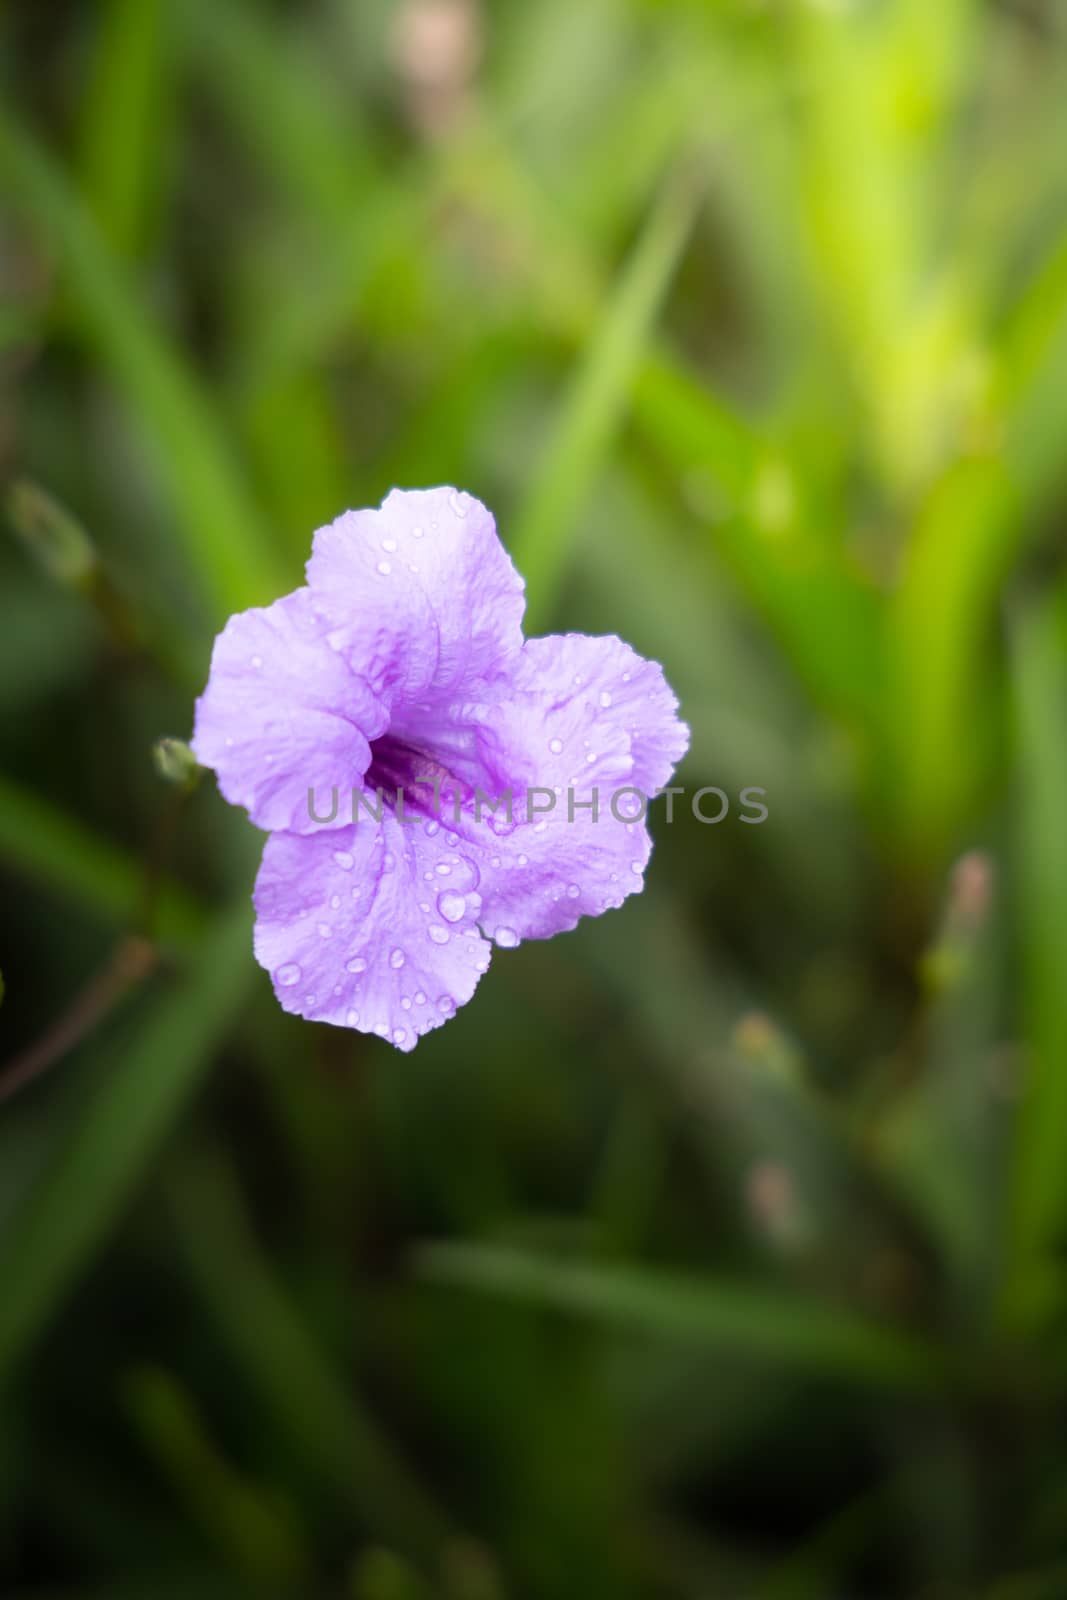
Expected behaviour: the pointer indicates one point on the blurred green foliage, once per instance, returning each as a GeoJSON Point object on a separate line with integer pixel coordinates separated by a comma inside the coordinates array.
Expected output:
{"type": "Point", "coordinates": [718, 1248]}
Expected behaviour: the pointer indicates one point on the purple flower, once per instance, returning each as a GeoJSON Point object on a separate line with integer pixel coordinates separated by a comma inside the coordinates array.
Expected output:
{"type": "Point", "coordinates": [402, 667]}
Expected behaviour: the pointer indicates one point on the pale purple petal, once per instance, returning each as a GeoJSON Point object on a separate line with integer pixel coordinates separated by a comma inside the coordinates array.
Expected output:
{"type": "Point", "coordinates": [541, 878]}
{"type": "Point", "coordinates": [598, 694]}
{"type": "Point", "coordinates": [586, 733]}
{"type": "Point", "coordinates": [422, 596]}
{"type": "Point", "coordinates": [283, 713]}
{"type": "Point", "coordinates": [371, 927]}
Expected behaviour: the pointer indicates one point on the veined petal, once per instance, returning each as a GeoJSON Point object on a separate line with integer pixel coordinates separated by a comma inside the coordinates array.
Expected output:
{"type": "Point", "coordinates": [597, 696]}
{"type": "Point", "coordinates": [422, 596]}
{"type": "Point", "coordinates": [283, 713]}
{"type": "Point", "coordinates": [587, 733]}
{"type": "Point", "coordinates": [544, 876]}
{"type": "Point", "coordinates": [371, 927]}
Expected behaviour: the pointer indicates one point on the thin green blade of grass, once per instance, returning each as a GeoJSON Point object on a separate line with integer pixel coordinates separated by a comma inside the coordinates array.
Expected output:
{"type": "Point", "coordinates": [124, 116]}
{"type": "Point", "coordinates": [780, 1328]}
{"type": "Point", "coordinates": [280, 1359]}
{"type": "Point", "coordinates": [254, 1529]}
{"type": "Point", "coordinates": [1038, 1219]}
{"type": "Point", "coordinates": [66, 1216]}
{"type": "Point", "coordinates": [826, 619]}
{"type": "Point", "coordinates": [942, 618]}
{"type": "Point", "coordinates": [598, 399]}
{"type": "Point", "coordinates": [44, 843]}
{"type": "Point", "coordinates": [314, 137]}
{"type": "Point", "coordinates": [1028, 381]}
{"type": "Point", "coordinates": [939, 1135]}
{"type": "Point", "coordinates": [968, 536]}
{"type": "Point", "coordinates": [221, 531]}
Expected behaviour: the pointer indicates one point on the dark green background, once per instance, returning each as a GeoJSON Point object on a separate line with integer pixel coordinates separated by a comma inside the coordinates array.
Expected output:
{"type": "Point", "coordinates": [716, 1250]}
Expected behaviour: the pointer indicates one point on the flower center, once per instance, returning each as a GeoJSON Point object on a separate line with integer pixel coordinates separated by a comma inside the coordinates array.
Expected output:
{"type": "Point", "coordinates": [423, 780]}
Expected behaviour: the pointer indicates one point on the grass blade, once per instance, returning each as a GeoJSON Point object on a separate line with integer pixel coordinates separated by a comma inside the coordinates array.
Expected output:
{"type": "Point", "coordinates": [78, 1199]}
{"type": "Point", "coordinates": [42, 842]}
{"type": "Point", "coordinates": [220, 527]}
{"type": "Point", "coordinates": [1039, 1212]}
{"type": "Point", "coordinates": [281, 1359]}
{"type": "Point", "coordinates": [598, 398]}
{"type": "Point", "coordinates": [810, 1337]}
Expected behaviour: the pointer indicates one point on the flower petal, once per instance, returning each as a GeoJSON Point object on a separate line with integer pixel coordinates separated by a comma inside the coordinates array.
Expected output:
{"type": "Point", "coordinates": [587, 733]}
{"type": "Point", "coordinates": [423, 596]}
{"type": "Point", "coordinates": [283, 713]}
{"type": "Point", "coordinates": [598, 694]}
{"type": "Point", "coordinates": [370, 927]}
{"type": "Point", "coordinates": [544, 876]}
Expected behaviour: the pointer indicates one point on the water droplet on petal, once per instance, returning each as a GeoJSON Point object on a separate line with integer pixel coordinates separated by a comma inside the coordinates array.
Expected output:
{"type": "Point", "coordinates": [556, 746]}
{"type": "Point", "coordinates": [389, 544]}
{"type": "Point", "coordinates": [452, 839]}
{"type": "Point", "coordinates": [443, 869]}
{"type": "Point", "coordinates": [352, 1017]}
{"type": "Point", "coordinates": [343, 860]}
{"type": "Point", "coordinates": [335, 901]}
{"type": "Point", "coordinates": [605, 699]}
{"type": "Point", "coordinates": [397, 958]}
{"type": "Point", "coordinates": [382, 1030]}
{"type": "Point", "coordinates": [288, 975]}
{"type": "Point", "coordinates": [459, 502]}
{"type": "Point", "coordinates": [451, 907]}
{"type": "Point", "coordinates": [636, 867]}
{"type": "Point", "coordinates": [573, 890]}
{"type": "Point", "coordinates": [405, 1001]}
{"type": "Point", "coordinates": [420, 998]}
{"type": "Point", "coordinates": [506, 938]}
{"type": "Point", "coordinates": [416, 533]}
{"type": "Point", "coordinates": [438, 934]}
{"type": "Point", "coordinates": [325, 931]}
{"type": "Point", "coordinates": [257, 661]}
{"type": "Point", "coordinates": [385, 568]}
{"type": "Point", "coordinates": [432, 827]}
{"type": "Point", "coordinates": [357, 965]}
{"type": "Point", "coordinates": [446, 1004]}
{"type": "Point", "coordinates": [399, 1035]}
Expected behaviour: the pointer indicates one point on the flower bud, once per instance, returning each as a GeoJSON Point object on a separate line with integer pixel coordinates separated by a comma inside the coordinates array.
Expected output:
{"type": "Point", "coordinates": [176, 763]}
{"type": "Point", "coordinates": [55, 539]}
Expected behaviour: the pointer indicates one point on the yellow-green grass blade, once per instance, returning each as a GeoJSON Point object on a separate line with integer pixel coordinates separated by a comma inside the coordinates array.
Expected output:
{"type": "Point", "coordinates": [546, 523]}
